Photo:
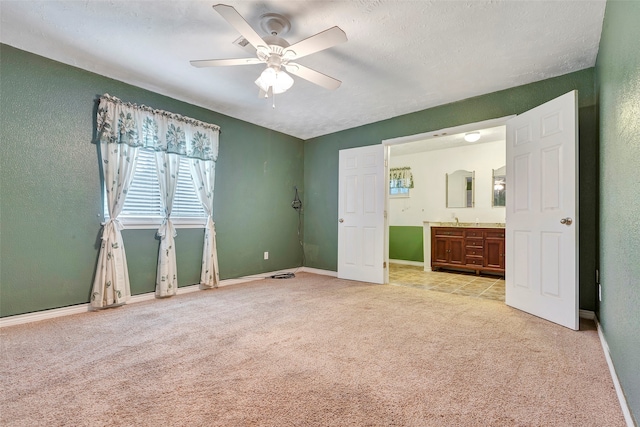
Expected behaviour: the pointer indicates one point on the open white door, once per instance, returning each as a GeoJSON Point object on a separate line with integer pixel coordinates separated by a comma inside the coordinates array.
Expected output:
{"type": "Point", "coordinates": [542, 223]}
{"type": "Point", "coordinates": [361, 214]}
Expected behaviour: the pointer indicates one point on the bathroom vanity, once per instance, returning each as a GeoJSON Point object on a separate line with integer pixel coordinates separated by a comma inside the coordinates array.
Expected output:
{"type": "Point", "coordinates": [480, 249]}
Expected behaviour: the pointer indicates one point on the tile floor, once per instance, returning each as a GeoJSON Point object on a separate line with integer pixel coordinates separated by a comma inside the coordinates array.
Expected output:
{"type": "Point", "coordinates": [469, 284]}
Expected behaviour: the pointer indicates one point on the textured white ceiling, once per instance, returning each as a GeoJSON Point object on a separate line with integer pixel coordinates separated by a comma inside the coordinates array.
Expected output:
{"type": "Point", "coordinates": [401, 57]}
{"type": "Point", "coordinates": [446, 141]}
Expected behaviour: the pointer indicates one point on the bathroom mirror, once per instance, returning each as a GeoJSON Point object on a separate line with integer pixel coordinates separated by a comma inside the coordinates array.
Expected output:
{"type": "Point", "coordinates": [460, 188]}
{"type": "Point", "coordinates": [499, 187]}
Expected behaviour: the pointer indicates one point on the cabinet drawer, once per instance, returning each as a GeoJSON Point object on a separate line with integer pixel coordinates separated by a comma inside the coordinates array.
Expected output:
{"type": "Point", "coordinates": [475, 243]}
{"type": "Point", "coordinates": [447, 232]}
{"type": "Point", "coordinates": [474, 233]}
{"type": "Point", "coordinates": [475, 252]}
{"type": "Point", "coordinates": [495, 234]}
{"type": "Point", "coordinates": [475, 261]}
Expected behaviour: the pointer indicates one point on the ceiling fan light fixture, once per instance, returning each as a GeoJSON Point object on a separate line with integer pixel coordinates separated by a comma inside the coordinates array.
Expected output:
{"type": "Point", "coordinates": [472, 136]}
{"type": "Point", "coordinates": [276, 52]}
{"type": "Point", "coordinates": [279, 81]}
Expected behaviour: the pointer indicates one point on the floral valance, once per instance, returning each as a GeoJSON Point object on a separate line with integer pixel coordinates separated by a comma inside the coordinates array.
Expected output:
{"type": "Point", "coordinates": [120, 122]}
{"type": "Point", "coordinates": [400, 178]}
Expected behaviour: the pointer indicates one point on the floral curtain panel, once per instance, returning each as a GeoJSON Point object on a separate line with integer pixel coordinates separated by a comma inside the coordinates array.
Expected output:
{"type": "Point", "coordinates": [168, 167]}
{"type": "Point", "coordinates": [111, 283]}
{"type": "Point", "coordinates": [203, 174]}
{"type": "Point", "coordinates": [400, 178]}
{"type": "Point", "coordinates": [122, 129]}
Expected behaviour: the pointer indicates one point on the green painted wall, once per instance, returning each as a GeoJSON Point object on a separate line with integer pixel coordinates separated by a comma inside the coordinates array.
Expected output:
{"type": "Point", "coordinates": [50, 190]}
{"type": "Point", "coordinates": [406, 243]}
{"type": "Point", "coordinates": [50, 201]}
{"type": "Point", "coordinates": [321, 162]}
{"type": "Point", "coordinates": [618, 81]}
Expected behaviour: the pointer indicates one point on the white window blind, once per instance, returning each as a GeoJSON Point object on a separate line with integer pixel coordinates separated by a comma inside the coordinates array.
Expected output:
{"type": "Point", "coordinates": [186, 203]}
{"type": "Point", "coordinates": [143, 206]}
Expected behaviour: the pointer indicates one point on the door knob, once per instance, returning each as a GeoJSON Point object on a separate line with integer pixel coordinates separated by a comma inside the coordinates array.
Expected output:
{"type": "Point", "coordinates": [341, 220]}
{"type": "Point", "coordinates": [566, 221]}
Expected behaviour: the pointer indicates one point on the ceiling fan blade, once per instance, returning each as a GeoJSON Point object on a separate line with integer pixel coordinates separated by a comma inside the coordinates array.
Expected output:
{"type": "Point", "coordinates": [318, 42]}
{"type": "Point", "coordinates": [237, 21]}
{"type": "Point", "coordinates": [224, 62]}
{"type": "Point", "coordinates": [313, 76]}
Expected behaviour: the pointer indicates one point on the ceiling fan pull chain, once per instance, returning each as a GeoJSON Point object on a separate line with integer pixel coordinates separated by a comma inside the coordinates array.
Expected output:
{"type": "Point", "coordinates": [273, 99]}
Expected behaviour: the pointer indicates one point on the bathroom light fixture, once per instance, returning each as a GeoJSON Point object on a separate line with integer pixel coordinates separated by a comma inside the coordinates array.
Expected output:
{"type": "Point", "coordinates": [472, 136]}
{"type": "Point", "coordinates": [277, 80]}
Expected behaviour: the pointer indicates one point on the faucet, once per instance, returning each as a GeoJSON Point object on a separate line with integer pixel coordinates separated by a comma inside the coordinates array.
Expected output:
{"type": "Point", "coordinates": [457, 222]}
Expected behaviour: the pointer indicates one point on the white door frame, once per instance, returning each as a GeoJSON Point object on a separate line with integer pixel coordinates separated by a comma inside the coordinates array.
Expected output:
{"type": "Point", "coordinates": [425, 136]}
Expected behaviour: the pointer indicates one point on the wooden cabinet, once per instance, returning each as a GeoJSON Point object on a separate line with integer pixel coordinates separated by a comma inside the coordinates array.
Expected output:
{"type": "Point", "coordinates": [448, 247]}
{"type": "Point", "coordinates": [494, 249]}
{"type": "Point", "coordinates": [478, 249]}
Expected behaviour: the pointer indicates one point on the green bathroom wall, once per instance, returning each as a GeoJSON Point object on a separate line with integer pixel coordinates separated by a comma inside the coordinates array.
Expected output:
{"type": "Point", "coordinates": [50, 190]}
{"type": "Point", "coordinates": [406, 243]}
{"type": "Point", "coordinates": [618, 82]}
{"type": "Point", "coordinates": [321, 162]}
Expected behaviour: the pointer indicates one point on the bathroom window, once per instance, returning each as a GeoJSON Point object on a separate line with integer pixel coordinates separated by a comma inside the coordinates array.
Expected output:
{"type": "Point", "coordinates": [400, 182]}
{"type": "Point", "coordinates": [399, 192]}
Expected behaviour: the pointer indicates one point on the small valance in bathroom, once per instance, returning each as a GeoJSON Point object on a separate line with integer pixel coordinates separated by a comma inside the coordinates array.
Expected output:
{"type": "Point", "coordinates": [400, 178]}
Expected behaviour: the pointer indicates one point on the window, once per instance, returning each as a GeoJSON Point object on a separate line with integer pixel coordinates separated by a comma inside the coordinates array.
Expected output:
{"type": "Point", "coordinates": [399, 191]}
{"type": "Point", "coordinates": [400, 181]}
{"type": "Point", "coordinates": [143, 205]}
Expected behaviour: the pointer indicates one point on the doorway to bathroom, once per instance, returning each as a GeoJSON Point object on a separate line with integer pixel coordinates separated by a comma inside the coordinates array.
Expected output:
{"type": "Point", "coordinates": [540, 240]}
{"type": "Point", "coordinates": [453, 177]}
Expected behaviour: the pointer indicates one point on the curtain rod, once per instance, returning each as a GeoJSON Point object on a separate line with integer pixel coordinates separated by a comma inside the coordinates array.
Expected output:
{"type": "Point", "coordinates": [175, 116]}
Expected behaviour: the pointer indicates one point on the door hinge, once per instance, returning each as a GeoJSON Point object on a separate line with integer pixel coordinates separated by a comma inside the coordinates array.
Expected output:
{"type": "Point", "coordinates": [385, 214]}
{"type": "Point", "coordinates": [384, 264]}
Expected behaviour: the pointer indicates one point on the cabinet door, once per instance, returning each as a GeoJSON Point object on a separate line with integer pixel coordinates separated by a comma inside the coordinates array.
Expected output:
{"type": "Point", "coordinates": [440, 249]}
{"type": "Point", "coordinates": [494, 253]}
{"type": "Point", "coordinates": [457, 251]}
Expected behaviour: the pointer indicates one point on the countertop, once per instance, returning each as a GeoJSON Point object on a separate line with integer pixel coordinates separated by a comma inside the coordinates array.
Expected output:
{"type": "Point", "coordinates": [467, 224]}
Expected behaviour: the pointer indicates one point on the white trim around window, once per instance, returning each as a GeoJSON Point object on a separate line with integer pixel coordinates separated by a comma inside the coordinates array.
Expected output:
{"type": "Point", "coordinates": [143, 223]}
{"type": "Point", "coordinates": [143, 208]}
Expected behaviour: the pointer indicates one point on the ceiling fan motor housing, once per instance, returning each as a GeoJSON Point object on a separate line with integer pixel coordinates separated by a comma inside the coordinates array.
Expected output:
{"type": "Point", "coordinates": [273, 56]}
{"type": "Point", "coordinates": [274, 24]}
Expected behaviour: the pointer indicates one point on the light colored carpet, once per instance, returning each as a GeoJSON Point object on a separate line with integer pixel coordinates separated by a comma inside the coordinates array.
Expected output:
{"type": "Point", "coordinates": [308, 351]}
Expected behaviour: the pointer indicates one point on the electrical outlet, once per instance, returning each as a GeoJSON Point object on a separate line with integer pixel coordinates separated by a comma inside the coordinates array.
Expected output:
{"type": "Point", "coordinates": [266, 255]}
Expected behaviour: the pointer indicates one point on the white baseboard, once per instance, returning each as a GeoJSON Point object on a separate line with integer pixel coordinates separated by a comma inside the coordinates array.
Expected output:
{"type": "Point", "coordinates": [37, 316]}
{"type": "Point", "coordinates": [84, 308]}
{"type": "Point", "coordinates": [43, 315]}
{"type": "Point", "coordinates": [405, 262]}
{"type": "Point", "coordinates": [616, 383]}
{"type": "Point", "coordinates": [318, 271]}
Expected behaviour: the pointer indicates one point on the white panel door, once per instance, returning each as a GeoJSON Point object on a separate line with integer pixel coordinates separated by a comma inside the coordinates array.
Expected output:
{"type": "Point", "coordinates": [361, 214]}
{"type": "Point", "coordinates": [542, 226]}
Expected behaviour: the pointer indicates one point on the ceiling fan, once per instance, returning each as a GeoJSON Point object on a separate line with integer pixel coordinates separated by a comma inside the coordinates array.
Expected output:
{"type": "Point", "coordinates": [276, 52]}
